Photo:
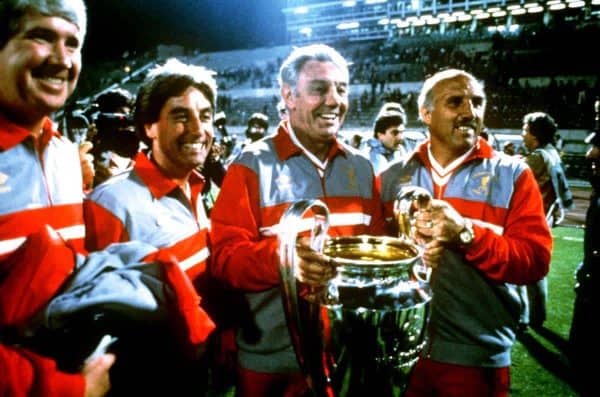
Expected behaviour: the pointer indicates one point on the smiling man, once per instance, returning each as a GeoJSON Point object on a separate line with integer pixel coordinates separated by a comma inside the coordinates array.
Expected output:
{"type": "Point", "coordinates": [159, 202]}
{"type": "Point", "coordinates": [483, 232]}
{"type": "Point", "coordinates": [303, 160]}
{"type": "Point", "coordinates": [40, 186]}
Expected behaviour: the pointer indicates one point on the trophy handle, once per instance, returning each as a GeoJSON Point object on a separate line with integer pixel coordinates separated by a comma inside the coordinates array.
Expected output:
{"type": "Point", "coordinates": [408, 201]}
{"type": "Point", "coordinates": [289, 227]}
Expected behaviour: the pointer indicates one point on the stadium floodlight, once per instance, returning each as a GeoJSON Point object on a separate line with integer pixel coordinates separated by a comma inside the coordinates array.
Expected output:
{"type": "Point", "coordinates": [535, 10]}
{"type": "Point", "coordinates": [348, 3]}
{"type": "Point", "coordinates": [347, 25]}
{"type": "Point", "coordinates": [301, 10]}
{"type": "Point", "coordinates": [576, 4]}
{"type": "Point", "coordinates": [375, 1]}
{"type": "Point", "coordinates": [518, 11]}
{"type": "Point", "coordinates": [307, 31]}
{"type": "Point", "coordinates": [557, 7]}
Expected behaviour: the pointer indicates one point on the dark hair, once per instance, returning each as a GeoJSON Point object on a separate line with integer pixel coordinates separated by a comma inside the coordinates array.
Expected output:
{"type": "Point", "coordinates": [259, 118]}
{"type": "Point", "coordinates": [542, 126]}
{"type": "Point", "coordinates": [114, 99]}
{"type": "Point", "coordinates": [164, 82]}
{"type": "Point", "coordinates": [13, 11]}
{"type": "Point", "coordinates": [391, 113]}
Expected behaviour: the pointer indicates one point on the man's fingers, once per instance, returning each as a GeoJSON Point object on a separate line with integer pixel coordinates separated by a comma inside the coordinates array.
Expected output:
{"type": "Point", "coordinates": [85, 147]}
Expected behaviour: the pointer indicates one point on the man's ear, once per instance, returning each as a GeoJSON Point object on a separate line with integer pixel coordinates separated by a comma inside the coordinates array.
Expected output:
{"type": "Point", "coordinates": [425, 115]}
{"type": "Point", "coordinates": [287, 94]}
{"type": "Point", "coordinates": [151, 130]}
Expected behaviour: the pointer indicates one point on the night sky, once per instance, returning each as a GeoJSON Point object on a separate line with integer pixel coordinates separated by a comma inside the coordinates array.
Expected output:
{"type": "Point", "coordinates": [116, 26]}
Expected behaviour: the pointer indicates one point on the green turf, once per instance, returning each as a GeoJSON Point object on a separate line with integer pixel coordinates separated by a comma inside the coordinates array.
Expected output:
{"type": "Point", "coordinates": [540, 367]}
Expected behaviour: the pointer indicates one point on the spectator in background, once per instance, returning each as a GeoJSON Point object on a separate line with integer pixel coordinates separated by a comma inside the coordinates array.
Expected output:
{"type": "Point", "coordinates": [159, 202]}
{"type": "Point", "coordinates": [76, 127]}
{"type": "Point", "coordinates": [258, 124]}
{"type": "Point", "coordinates": [583, 337]}
{"type": "Point", "coordinates": [304, 159]}
{"type": "Point", "coordinates": [539, 134]}
{"type": "Point", "coordinates": [484, 231]}
{"type": "Point", "coordinates": [256, 129]}
{"type": "Point", "coordinates": [386, 144]}
{"type": "Point", "coordinates": [115, 141]}
{"type": "Point", "coordinates": [40, 184]}
{"type": "Point", "coordinates": [509, 148]}
{"type": "Point", "coordinates": [227, 141]}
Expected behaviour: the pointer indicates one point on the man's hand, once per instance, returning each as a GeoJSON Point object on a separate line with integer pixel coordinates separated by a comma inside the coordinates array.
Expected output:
{"type": "Point", "coordinates": [95, 372]}
{"type": "Point", "coordinates": [87, 164]}
{"type": "Point", "coordinates": [314, 268]}
{"type": "Point", "coordinates": [437, 226]}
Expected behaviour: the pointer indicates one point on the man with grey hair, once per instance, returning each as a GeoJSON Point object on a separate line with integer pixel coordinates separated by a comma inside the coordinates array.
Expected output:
{"type": "Point", "coordinates": [40, 190]}
{"type": "Point", "coordinates": [303, 160]}
{"type": "Point", "coordinates": [483, 231]}
{"type": "Point", "coordinates": [159, 202]}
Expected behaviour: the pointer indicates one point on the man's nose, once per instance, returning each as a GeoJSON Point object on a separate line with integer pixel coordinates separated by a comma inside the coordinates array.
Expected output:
{"type": "Point", "coordinates": [61, 54]}
{"type": "Point", "coordinates": [333, 97]}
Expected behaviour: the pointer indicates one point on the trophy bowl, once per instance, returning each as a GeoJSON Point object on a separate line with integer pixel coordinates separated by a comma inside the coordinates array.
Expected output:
{"type": "Point", "coordinates": [362, 332]}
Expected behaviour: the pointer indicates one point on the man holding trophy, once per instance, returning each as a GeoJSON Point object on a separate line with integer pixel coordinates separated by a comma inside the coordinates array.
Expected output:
{"type": "Point", "coordinates": [482, 232]}
{"type": "Point", "coordinates": [303, 160]}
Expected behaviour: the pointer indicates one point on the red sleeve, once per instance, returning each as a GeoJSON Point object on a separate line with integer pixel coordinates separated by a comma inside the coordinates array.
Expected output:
{"type": "Point", "coordinates": [102, 227]}
{"type": "Point", "coordinates": [521, 255]}
{"type": "Point", "coordinates": [240, 256]}
{"type": "Point", "coordinates": [26, 374]}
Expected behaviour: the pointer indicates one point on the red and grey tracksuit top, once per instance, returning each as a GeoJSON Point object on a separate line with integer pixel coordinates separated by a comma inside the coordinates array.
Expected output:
{"type": "Point", "coordinates": [475, 306]}
{"type": "Point", "coordinates": [259, 186]}
{"type": "Point", "coordinates": [37, 187]}
{"type": "Point", "coordinates": [142, 204]}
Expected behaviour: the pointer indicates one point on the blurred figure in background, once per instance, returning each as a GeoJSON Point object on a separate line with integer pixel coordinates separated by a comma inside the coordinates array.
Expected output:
{"type": "Point", "coordinates": [115, 141]}
{"type": "Point", "coordinates": [583, 337]}
{"type": "Point", "coordinates": [256, 128]}
{"type": "Point", "coordinates": [258, 124]}
{"type": "Point", "coordinates": [226, 141]}
{"type": "Point", "coordinates": [386, 144]}
{"type": "Point", "coordinates": [539, 136]}
{"type": "Point", "coordinates": [77, 127]}
{"type": "Point", "coordinates": [509, 148]}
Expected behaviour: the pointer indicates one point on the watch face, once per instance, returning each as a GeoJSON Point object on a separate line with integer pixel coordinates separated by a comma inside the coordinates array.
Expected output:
{"type": "Point", "coordinates": [466, 236]}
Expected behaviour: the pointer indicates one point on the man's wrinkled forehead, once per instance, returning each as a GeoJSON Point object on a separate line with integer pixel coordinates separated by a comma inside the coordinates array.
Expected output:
{"type": "Point", "coordinates": [325, 70]}
{"type": "Point", "coordinates": [462, 85]}
{"type": "Point", "coordinates": [33, 19]}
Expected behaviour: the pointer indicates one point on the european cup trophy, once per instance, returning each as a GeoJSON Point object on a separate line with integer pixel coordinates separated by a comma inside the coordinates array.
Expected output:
{"type": "Point", "coordinates": [361, 334]}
